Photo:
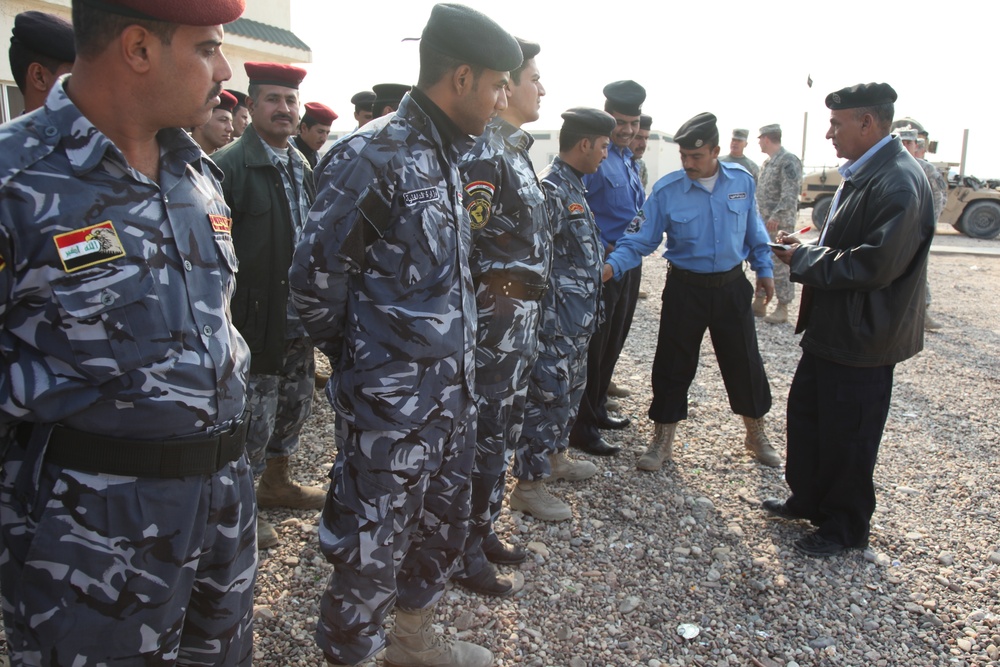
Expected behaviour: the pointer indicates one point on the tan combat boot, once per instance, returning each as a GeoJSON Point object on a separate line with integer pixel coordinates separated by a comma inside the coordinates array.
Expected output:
{"type": "Point", "coordinates": [759, 307]}
{"type": "Point", "coordinates": [779, 316]}
{"type": "Point", "coordinates": [267, 536]}
{"type": "Point", "coordinates": [531, 497]}
{"type": "Point", "coordinates": [571, 470]}
{"type": "Point", "coordinates": [660, 449]}
{"type": "Point", "coordinates": [757, 442]}
{"type": "Point", "coordinates": [413, 643]}
{"type": "Point", "coordinates": [930, 324]}
{"type": "Point", "coordinates": [276, 489]}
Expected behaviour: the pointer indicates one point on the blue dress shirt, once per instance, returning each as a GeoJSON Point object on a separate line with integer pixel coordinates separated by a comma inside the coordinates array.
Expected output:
{"type": "Point", "coordinates": [707, 232]}
{"type": "Point", "coordinates": [615, 193]}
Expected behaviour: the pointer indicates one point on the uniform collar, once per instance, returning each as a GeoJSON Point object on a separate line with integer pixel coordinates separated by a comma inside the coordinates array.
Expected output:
{"type": "Point", "coordinates": [514, 137]}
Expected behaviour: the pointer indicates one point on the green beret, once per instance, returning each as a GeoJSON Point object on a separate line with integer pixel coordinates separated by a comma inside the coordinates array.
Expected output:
{"type": "Point", "coordinates": [861, 95]}
{"type": "Point", "coordinates": [586, 121]}
{"type": "Point", "coordinates": [697, 132]}
{"type": "Point", "coordinates": [473, 38]}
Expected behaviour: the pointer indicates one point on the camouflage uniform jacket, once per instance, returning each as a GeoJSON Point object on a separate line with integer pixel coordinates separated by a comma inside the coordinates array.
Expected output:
{"type": "Point", "coordinates": [381, 276]}
{"type": "Point", "coordinates": [114, 290]}
{"type": "Point", "coordinates": [264, 234]}
{"type": "Point", "coordinates": [510, 230]}
{"type": "Point", "coordinates": [571, 304]}
{"type": "Point", "coordinates": [778, 187]}
{"type": "Point", "coordinates": [939, 186]}
{"type": "Point", "coordinates": [744, 162]}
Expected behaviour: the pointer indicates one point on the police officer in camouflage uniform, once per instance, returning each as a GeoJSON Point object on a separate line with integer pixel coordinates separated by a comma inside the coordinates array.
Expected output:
{"type": "Point", "coordinates": [570, 313]}
{"type": "Point", "coordinates": [939, 190]}
{"type": "Point", "coordinates": [736, 147]}
{"type": "Point", "coordinates": [778, 187]}
{"type": "Point", "coordinates": [382, 281]}
{"type": "Point", "coordinates": [269, 186]}
{"type": "Point", "coordinates": [511, 247]}
{"type": "Point", "coordinates": [126, 501]}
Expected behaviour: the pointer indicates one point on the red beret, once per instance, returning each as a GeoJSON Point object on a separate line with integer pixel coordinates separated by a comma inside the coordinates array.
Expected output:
{"type": "Point", "coordinates": [274, 74]}
{"type": "Point", "coordinates": [227, 101]}
{"type": "Point", "coordinates": [320, 113]}
{"type": "Point", "coordinates": [184, 12]}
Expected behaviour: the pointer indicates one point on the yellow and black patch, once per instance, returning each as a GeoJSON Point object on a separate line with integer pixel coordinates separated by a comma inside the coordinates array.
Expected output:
{"type": "Point", "coordinates": [576, 208]}
{"type": "Point", "coordinates": [89, 246]}
{"type": "Point", "coordinates": [3, 263]}
{"type": "Point", "coordinates": [479, 195]}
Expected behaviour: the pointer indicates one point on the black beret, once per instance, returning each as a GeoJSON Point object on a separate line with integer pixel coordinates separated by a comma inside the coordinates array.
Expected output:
{"type": "Point", "coordinates": [583, 120]}
{"type": "Point", "coordinates": [183, 12]}
{"type": "Point", "coordinates": [45, 34]}
{"type": "Point", "coordinates": [241, 98]}
{"type": "Point", "coordinates": [528, 49]}
{"type": "Point", "coordinates": [697, 132]}
{"type": "Point", "coordinates": [388, 93]}
{"type": "Point", "coordinates": [861, 95]}
{"type": "Point", "coordinates": [363, 101]}
{"type": "Point", "coordinates": [645, 122]}
{"type": "Point", "coordinates": [625, 97]}
{"type": "Point", "coordinates": [473, 38]}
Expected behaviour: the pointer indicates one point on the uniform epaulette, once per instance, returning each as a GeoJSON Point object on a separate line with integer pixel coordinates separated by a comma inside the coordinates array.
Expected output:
{"type": "Point", "coordinates": [23, 142]}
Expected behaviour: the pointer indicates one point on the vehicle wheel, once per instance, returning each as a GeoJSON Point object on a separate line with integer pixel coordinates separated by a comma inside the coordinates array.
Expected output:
{"type": "Point", "coordinates": [981, 220]}
{"type": "Point", "coordinates": [821, 209]}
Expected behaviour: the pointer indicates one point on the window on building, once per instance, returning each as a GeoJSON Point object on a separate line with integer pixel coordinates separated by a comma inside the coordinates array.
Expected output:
{"type": "Point", "coordinates": [11, 102]}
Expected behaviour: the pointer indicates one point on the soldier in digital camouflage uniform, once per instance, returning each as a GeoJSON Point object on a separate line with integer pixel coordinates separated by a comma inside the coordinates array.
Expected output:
{"type": "Point", "coordinates": [509, 261]}
{"type": "Point", "coordinates": [939, 191]}
{"type": "Point", "coordinates": [126, 502]}
{"type": "Point", "coordinates": [736, 146]}
{"type": "Point", "coordinates": [570, 313]}
{"type": "Point", "coordinates": [778, 187]}
{"type": "Point", "coordinates": [382, 281]}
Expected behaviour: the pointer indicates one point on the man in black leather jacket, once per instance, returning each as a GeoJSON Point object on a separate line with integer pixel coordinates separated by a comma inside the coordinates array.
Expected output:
{"type": "Point", "coordinates": [862, 312]}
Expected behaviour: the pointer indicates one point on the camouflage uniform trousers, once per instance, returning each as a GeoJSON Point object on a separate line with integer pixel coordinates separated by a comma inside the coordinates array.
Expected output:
{"type": "Point", "coordinates": [555, 389]}
{"type": "Point", "coordinates": [784, 289]}
{"type": "Point", "coordinates": [506, 348]}
{"type": "Point", "coordinates": [104, 569]}
{"type": "Point", "coordinates": [280, 404]}
{"type": "Point", "coordinates": [394, 525]}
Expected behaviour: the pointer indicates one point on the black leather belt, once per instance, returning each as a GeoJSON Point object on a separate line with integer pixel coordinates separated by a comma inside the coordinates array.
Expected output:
{"type": "Point", "coordinates": [705, 279]}
{"type": "Point", "coordinates": [79, 450]}
{"type": "Point", "coordinates": [514, 285]}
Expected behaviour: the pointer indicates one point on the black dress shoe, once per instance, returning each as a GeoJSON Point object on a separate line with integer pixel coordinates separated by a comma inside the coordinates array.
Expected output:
{"type": "Point", "coordinates": [817, 546]}
{"type": "Point", "coordinates": [611, 422]}
{"type": "Point", "coordinates": [779, 508]}
{"type": "Point", "coordinates": [502, 553]}
{"type": "Point", "coordinates": [599, 447]}
{"type": "Point", "coordinates": [486, 582]}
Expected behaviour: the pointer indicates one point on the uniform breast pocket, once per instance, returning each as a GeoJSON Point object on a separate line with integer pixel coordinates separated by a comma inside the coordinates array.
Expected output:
{"type": "Point", "coordinates": [739, 209]}
{"type": "Point", "coordinates": [531, 195]}
{"type": "Point", "coordinates": [618, 192]}
{"type": "Point", "coordinates": [684, 226]}
{"type": "Point", "coordinates": [113, 320]}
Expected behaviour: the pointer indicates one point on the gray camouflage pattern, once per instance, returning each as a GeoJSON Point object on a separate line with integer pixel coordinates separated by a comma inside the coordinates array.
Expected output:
{"type": "Point", "coordinates": [778, 188]}
{"type": "Point", "coordinates": [570, 313]}
{"type": "Point", "coordinates": [114, 302]}
{"type": "Point", "coordinates": [279, 405]}
{"type": "Point", "coordinates": [381, 280]}
{"type": "Point", "coordinates": [939, 190]}
{"type": "Point", "coordinates": [510, 231]}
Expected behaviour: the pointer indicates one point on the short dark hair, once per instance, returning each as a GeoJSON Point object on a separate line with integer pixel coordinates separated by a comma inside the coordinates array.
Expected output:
{"type": "Point", "coordinates": [21, 58]}
{"type": "Point", "coordinates": [568, 139]}
{"type": "Point", "coordinates": [882, 113]}
{"type": "Point", "coordinates": [94, 28]}
{"type": "Point", "coordinates": [515, 74]}
{"type": "Point", "coordinates": [434, 65]}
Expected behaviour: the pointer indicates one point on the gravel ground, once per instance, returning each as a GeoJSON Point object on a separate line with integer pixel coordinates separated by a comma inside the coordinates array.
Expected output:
{"type": "Point", "coordinates": [648, 552]}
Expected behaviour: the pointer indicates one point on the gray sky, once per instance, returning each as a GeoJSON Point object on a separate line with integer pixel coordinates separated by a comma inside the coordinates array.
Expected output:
{"type": "Point", "coordinates": [745, 62]}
